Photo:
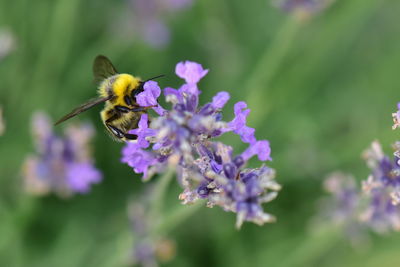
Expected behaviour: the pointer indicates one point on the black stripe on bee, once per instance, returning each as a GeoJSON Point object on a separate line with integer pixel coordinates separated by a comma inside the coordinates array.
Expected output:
{"type": "Point", "coordinates": [128, 100]}
{"type": "Point", "coordinates": [122, 109]}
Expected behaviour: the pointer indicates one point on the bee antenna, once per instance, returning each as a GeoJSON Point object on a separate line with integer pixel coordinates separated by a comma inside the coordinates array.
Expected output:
{"type": "Point", "coordinates": [156, 77]}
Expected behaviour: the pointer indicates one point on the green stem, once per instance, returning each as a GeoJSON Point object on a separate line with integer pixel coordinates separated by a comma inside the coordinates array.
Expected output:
{"type": "Point", "coordinates": [54, 52]}
{"type": "Point", "coordinates": [269, 63]}
{"type": "Point", "coordinates": [159, 193]}
{"type": "Point", "coordinates": [178, 216]}
{"type": "Point", "coordinates": [313, 247]}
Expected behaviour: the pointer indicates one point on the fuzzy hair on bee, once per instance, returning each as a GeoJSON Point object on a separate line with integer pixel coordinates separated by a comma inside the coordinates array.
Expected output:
{"type": "Point", "coordinates": [118, 92]}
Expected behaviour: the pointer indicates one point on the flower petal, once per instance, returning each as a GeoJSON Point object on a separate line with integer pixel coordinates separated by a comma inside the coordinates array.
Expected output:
{"type": "Point", "coordinates": [143, 131]}
{"type": "Point", "coordinates": [259, 148]}
{"type": "Point", "coordinates": [140, 160]}
{"type": "Point", "coordinates": [191, 72]}
{"type": "Point", "coordinates": [220, 99]}
{"type": "Point", "coordinates": [238, 124]}
{"type": "Point", "coordinates": [149, 96]}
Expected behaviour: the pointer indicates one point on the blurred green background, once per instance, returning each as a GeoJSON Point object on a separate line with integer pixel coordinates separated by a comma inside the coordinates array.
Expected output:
{"type": "Point", "coordinates": [320, 90]}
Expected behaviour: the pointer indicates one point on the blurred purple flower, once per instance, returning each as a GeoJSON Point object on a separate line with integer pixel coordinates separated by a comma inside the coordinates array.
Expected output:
{"type": "Point", "coordinates": [149, 16]}
{"type": "Point", "coordinates": [343, 207]}
{"type": "Point", "coordinates": [149, 247]}
{"type": "Point", "coordinates": [80, 176]}
{"type": "Point", "coordinates": [177, 4]}
{"type": "Point", "coordinates": [375, 206]}
{"type": "Point", "coordinates": [61, 164]}
{"type": "Point", "coordinates": [303, 7]}
{"type": "Point", "coordinates": [141, 224]}
{"type": "Point", "coordinates": [383, 188]}
{"type": "Point", "coordinates": [345, 202]}
{"type": "Point", "coordinates": [182, 139]}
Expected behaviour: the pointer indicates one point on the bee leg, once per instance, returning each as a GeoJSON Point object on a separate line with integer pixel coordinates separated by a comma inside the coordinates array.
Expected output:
{"type": "Point", "coordinates": [123, 109]}
{"type": "Point", "coordinates": [138, 109]}
{"type": "Point", "coordinates": [118, 132]}
{"type": "Point", "coordinates": [130, 136]}
{"type": "Point", "coordinates": [115, 131]}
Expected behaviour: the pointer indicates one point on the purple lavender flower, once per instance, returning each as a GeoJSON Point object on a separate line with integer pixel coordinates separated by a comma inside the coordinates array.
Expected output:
{"type": "Point", "coordinates": [80, 176]}
{"type": "Point", "coordinates": [62, 164]}
{"type": "Point", "coordinates": [378, 204]}
{"type": "Point", "coordinates": [238, 124]}
{"type": "Point", "coordinates": [182, 138]}
{"type": "Point", "coordinates": [344, 205]}
{"type": "Point", "coordinates": [383, 188]}
{"type": "Point", "coordinates": [149, 97]}
{"type": "Point", "coordinates": [385, 171]}
{"type": "Point", "coordinates": [375, 206]}
{"type": "Point", "coordinates": [191, 72]}
{"type": "Point", "coordinates": [149, 19]}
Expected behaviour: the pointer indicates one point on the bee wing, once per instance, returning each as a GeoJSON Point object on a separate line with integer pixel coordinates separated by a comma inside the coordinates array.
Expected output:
{"type": "Point", "coordinates": [91, 103]}
{"type": "Point", "coordinates": [103, 68]}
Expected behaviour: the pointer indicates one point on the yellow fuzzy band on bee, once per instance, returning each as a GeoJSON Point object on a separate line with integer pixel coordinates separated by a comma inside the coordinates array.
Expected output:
{"type": "Point", "coordinates": [124, 83]}
{"type": "Point", "coordinates": [120, 85]}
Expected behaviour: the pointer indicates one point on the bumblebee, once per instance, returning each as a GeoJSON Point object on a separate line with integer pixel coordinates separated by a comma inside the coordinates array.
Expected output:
{"type": "Point", "coordinates": [118, 92]}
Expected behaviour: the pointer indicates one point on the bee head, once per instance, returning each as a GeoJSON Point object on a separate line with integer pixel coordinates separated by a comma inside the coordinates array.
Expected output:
{"type": "Point", "coordinates": [140, 88]}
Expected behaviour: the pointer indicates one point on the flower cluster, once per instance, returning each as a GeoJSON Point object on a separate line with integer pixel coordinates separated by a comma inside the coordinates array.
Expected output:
{"type": "Point", "coordinates": [61, 164]}
{"type": "Point", "coordinates": [148, 19]}
{"type": "Point", "coordinates": [345, 201]}
{"type": "Point", "coordinates": [344, 207]}
{"type": "Point", "coordinates": [182, 138]}
{"type": "Point", "coordinates": [377, 204]}
{"type": "Point", "coordinates": [383, 189]}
